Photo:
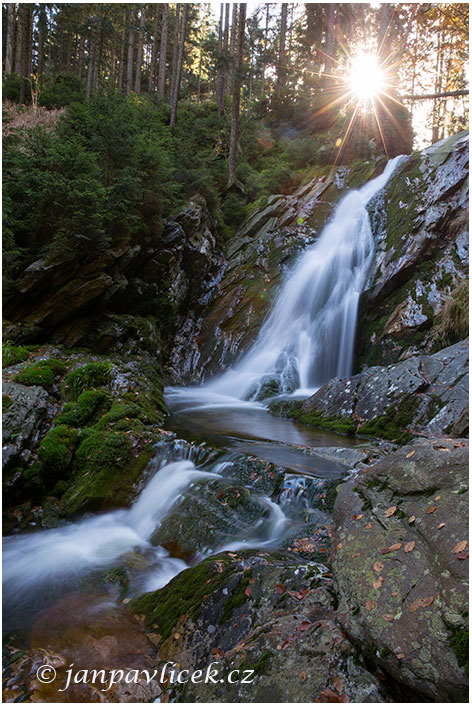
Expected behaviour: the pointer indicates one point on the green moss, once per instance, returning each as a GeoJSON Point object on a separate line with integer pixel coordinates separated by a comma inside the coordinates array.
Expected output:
{"type": "Point", "coordinates": [119, 411]}
{"type": "Point", "coordinates": [184, 595]}
{"type": "Point", "coordinates": [453, 323]}
{"type": "Point", "coordinates": [257, 667]}
{"type": "Point", "coordinates": [384, 653]}
{"type": "Point", "coordinates": [102, 450]}
{"type": "Point", "coordinates": [42, 373]}
{"type": "Point", "coordinates": [118, 577]}
{"type": "Point", "coordinates": [11, 355]}
{"type": "Point", "coordinates": [237, 598]}
{"type": "Point", "coordinates": [57, 448]}
{"type": "Point", "coordinates": [76, 414]}
{"type": "Point", "coordinates": [393, 424]}
{"type": "Point", "coordinates": [6, 403]}
{"type": "Point", "coordinates": [89, 375]}
{"type": "Point", "coordinates": [294, 410]}
{"type": "Point", "coordinates": [460, 645]}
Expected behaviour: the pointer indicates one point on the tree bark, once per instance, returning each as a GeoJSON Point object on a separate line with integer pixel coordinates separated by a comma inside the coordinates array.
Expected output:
{"type": "Point", "coordinates": [129, 63]}
{"type": "Point", "coordinates": [19, 40]}
{"type": "Point", "coordinates": [152, 68]}
{"type": "Point", "coordinates": [232, 45]}
{"type": "Point", "coordinates": [10, 38]}
{"type": "Point", "coordinates": [226, 66]}
{"type": "Point", "coordinates": [175, 96]}
{"type": "Point", "coordinates": [233, 139]}
{"type": "Point", "coordinates": [92, 60]}
{"type": "Point", "coordinates": [163, 51]}
{"type": "Point", "coordinates": [266, 36]}
{"type": "Point", "coordinates": [281, 67]}
{"type": "Point", "coordinates": [175, 53]}
{"type": "Point", "coordinates": [328, 62]}
{"type": "Point", "coordinates": [220, 79]}
{"type": "Point", "coordinates": [139, 53]}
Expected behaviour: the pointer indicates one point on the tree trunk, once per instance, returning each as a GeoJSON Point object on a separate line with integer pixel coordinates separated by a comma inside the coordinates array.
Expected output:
{"type": "Point", "coordinates": [175, 53]}
{"type": "Point", "coordinates": [139, 54]}
{"type": "Point", "coordinates": [233, 139]}
{"type": "Point", "coordinates": [152, 69]}
{"type": "Point", "coordinates": [121, 71]}
{"type": "Point", "coordinates": [19, 40]}
{"type": "Point", "coordinates": [226, 67]}
{"type": "Point", "coordinates": [10, 38]}
{"type": "Point", "coordinates": [163, 51]}
{"type": "Point", "coordinates": [80, 62]}
{"type": "Point", "coordinates": [266, 35]}
{"type": "Point", "coordinates": [129, 64]}
{"type": "Point", "coordinates": [92, 60]}
{"type": "Point", "coordinates": [281, 67]}
{"type": "Point", "coordinates": [328, 62]}
{"type": "Point", "coordinates": [175, 96]}
{"type": "Point", "coordinates": [232, 46]}
{"type": "Point", "coordinates": [219, 78]}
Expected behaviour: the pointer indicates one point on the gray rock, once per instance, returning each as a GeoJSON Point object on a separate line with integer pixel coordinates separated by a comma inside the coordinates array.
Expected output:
{"type": "Point", "coordinates": [399, 529]}
{"type": "Point", "coordinates": [24, 422]}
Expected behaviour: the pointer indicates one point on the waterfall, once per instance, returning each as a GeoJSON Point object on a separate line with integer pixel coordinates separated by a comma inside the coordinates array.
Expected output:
{"type": "Point", "coordinates": [308, 337]}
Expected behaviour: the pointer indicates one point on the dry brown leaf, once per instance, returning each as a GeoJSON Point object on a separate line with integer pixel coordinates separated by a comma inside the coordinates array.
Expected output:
{"type": "Point", "coordinates": [338, 684]}
{"type": "Point", "coordinates": [247, 591]}
{"type": "Point", "coordinates": [460, 546]}
{"type": "Point", "coordinates": [412, 453]}
{"type": "Point", "coordinates": [390, 511]}
{"type": "Point", "coordinates": [302, 676]}
{"type": "Point", "coordinates": [378, 583]}
{"type": "Point", "coordinates": [400, 655]}
{"type": "Point", "coordinates": [328, 696]}
{"type": "Point", "coordinates": [338, 546]}
{"type": "Point", "coordinates": [388, 617]}
{"type": "Point", "coordinates": [440, 526]}
{"type": "Point", "coordinates": [370, 605]}
{"type": "Point", "coordinates": [368, 526]}
{"type": "Point", "coordinates": [462, 555]}
{"type": "Point", "coordinates": [355, 555]}
{"type": "Point", "coordinates": [409, 546]}
{"type": "Point", "coordinates": [359, 517]}
{"type": "Point", "coordinates": [430, 510]}
{"type": "Point", "coordinates": [378, 566]}
{"type": "Point", "coordinates": [411, 519]}
{"type": "Point", "coordinates": [421, 603]}
{"type": "Point", "coordinates": [394, 547]}
{"type": "Point", "coordinates": [438, 497]}
{"type": "Point", "coordinates": [395, 594]}
{"type": "Point", "coordinates": [280, 588]}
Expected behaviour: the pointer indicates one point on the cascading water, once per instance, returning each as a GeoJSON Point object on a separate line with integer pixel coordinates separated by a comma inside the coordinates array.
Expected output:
{"type": "Point", "coordinates": [309, 335]}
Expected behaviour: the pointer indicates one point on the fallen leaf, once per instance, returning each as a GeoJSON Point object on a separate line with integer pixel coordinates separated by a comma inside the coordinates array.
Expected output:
{"type": "Point", "coordinates": [411, 519]}
{"type": "Point", "coordinates": [338, 684]}
{"type": "Point", "coordinates": [421, 603]}
{"type": "Point", "coordinates": [393, 548]}
{"type": "Point", "coordinates": [390, 511]}
{"type": "Point", "coordinates": [412, 453]}
{"type": "Point", "coordinates": [296, 594]}
{"type": "Point", "coordinates": [359, 517]}
{"type": "Point", "coordinates": [460, 546]}
{"type": "Point", "coordinates": [302, 676]}
{"type": "Point", "coordinates": [338, 546]}
{"type": "Point", "coordinates": [329, 696]}
{"type": "Point", "coordinates": [462, 555]}
{"type": "Point", "coordinates": [395, 594]}
{"type": "Point", "coordinates": [409, 546]}
{"type": "Point", "coordinates": [355, 555]}
{"type": "Point", "coordinates": [400, 655]}
{"type": "Point", "coordinates": [388, 617]}
{"type": "Point", "coordinates": [443, 524]}
{"type": "Point", "coordinates": [430, 510]}
{"type": "Point", "coordinates": [304, 625]}
{"type": "Point", "coordinates": [370, 605]}
{"type": "Point", "coordinates": [377, 584]}
{"type": "Point", "coordinates": [280, 588]}
{"type": "Point", "coordinates": [368, 526]}
{"type": "Point", "coordinates": [438, 497]}
{"type": "Point", "coordinates": [247, 591]}
{"type": "Point", "coordinates": [378, 566]}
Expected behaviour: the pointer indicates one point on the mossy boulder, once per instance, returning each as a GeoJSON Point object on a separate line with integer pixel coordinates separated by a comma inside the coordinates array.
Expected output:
{"type": "Point", "coordinates": [87, 376]}
{"type": "Point", "coordinates": [399, 557]}
{"type": "Point", "coordinates": [264, 612]}
{"type": "Point", "coordinates": [57, 449]}
{"type": "Point", "coordinates": [423, 395]}
{"type": "Point", "coordinates": [42, 373]}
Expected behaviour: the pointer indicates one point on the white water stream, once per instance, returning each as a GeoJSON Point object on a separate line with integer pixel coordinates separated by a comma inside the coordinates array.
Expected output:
{"type": "Point", "coordinates": [309, 336]}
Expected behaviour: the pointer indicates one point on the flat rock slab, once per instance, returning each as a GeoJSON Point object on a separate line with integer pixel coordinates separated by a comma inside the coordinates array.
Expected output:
{"type": "Point", "coordinates": [400, 561]}
{"type": "Point", "coordinates": [425, 394]}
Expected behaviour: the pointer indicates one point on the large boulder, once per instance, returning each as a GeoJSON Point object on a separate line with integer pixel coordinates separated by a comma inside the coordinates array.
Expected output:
{"type": "Point", "coordinates": [260, 611]}
{"type": "Point", "coordinates": [400, 562]}
{"type": "Point", "coordinates": [24, 421]}
{"type": "Point", "coordinates": [420, 224]}
{"type": "Point", "coordinates": [426, 394]}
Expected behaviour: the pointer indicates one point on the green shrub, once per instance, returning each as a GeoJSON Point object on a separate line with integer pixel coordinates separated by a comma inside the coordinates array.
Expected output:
{"type": "Point", "coordinates": [454, 317]}
{"type": "Point", "coordinates": [75, 414]}
{"type": "Point", "coordinates": [63, 90]}
{"type": "Point", "coordinates": [57, 447]}
{"type": "Point", "coordinates": [234, 210]}
{"type": "Point", "coordinates": [90, 375]}
{"type": "Point", "coordinates": [13, 354]}
{"type": "Point", "coordinates": [42, 373]}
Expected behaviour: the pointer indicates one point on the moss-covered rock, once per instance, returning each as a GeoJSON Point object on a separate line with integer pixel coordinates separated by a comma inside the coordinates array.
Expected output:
{"type": "Point", "coordinates": [88, 376]}
{"type": "Point", "coordinates": [11, 354]}
{"type": "Point", "coordinates": [57, 448]}
{"type": "Point", "coordinates": [42, 373]}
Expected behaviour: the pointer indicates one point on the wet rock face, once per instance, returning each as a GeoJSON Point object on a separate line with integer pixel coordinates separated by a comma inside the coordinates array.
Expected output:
{"type": "Point", "coordinates": [258, 611]}
{"type": "Point", "coordinates": [420, 223]}
{"type": "Point", "coordinates": [23, 422]}
{"type": "Point", "coordinates": [224, 320]}
{"type": "Point", "coordinates": [426, 394]}
{"type": "Point", "coordinates": [400, 561]}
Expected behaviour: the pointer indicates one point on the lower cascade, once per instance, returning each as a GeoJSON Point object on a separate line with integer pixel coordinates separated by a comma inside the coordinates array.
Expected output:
{"type": "Point", "coordinates": [309, 335]}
